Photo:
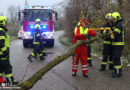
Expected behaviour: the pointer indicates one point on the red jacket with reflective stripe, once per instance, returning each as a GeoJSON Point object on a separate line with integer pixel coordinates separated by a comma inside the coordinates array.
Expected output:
{"type": "Point", "coordinates": [79, 36]}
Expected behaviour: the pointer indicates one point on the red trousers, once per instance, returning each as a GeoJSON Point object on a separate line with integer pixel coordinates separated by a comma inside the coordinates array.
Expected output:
{"type": "Point", "coordinates": [81, 54]}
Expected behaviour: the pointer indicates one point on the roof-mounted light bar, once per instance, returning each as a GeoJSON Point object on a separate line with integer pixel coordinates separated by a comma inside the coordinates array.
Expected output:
{"type": "Point", "coordinates": [38, 7]}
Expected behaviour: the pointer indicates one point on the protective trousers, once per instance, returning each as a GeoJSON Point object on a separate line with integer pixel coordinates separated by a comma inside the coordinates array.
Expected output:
{"type": "Point", "coordinates": [116, 54]}
{"type": "Point", "coordinates": [81, 54]}
{"type": "Point", "coordinates": [36, 50]}
{"type": "Point", "coordinates": [107, 54]}
{"type": "Point", "coordinates": [89, 58]}
{"type": "Point", "coordinates": [42, 48]}
{"type": "Point", "coordinates": [5, 66]}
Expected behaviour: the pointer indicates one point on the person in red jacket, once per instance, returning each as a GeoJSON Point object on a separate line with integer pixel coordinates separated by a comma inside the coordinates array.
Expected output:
{"type": "Point", "coordinates": [80, 33]}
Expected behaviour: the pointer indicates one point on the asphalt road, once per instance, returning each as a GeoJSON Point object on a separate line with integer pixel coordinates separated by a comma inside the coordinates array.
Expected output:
{"type": "Point", "coordinates": [59, 78]}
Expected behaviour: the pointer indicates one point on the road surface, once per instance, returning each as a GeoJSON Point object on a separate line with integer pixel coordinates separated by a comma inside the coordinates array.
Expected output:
{"type": "Point", "coordinates": [59, 78]}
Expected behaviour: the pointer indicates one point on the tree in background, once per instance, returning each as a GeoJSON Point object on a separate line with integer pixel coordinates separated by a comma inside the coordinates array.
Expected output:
{"type": "Point", "coordinates": [96, 11]}
{"type": "Point", "coordinates": [13, 23]}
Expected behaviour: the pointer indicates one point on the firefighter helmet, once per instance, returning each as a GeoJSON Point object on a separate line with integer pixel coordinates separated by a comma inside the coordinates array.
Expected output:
{"type": "Point", "coordinates": [85, 20]}
{"type": "Point", "coordinates": [116, 16]}
{"type": "Point", "coordinates": [108, 16]}
{"type": "Point", "coordinates": [37, 20]}
{"type": "Point", "coordinates": [3, 20]}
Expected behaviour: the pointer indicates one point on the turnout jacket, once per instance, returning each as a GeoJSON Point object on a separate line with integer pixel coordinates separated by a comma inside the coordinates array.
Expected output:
{"type": "Point", "coordinates": [119, 34]}
{"type": "Point", "coordinates": [107, 40]}
{"type": "Point", "coordinates": [4, 43]}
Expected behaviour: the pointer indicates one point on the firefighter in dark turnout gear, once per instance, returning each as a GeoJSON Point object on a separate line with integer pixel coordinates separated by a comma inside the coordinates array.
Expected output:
{"type": "Point", "coordinates": [107, 45]}
{"type": "Point", "coordinates": [38, 21]}
{"type": "Point", "coordinates": [117, 44]}
{"type": "Point", "coordinates": [5, 66]}
{"type": "Point", "coordinates": [36, 43]}
{"type": "Point", "coordinates": [89, 58]}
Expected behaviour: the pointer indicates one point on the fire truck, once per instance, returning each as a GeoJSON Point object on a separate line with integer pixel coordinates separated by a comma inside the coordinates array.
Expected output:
{"type": "Point", "coordinates": [47, 16]}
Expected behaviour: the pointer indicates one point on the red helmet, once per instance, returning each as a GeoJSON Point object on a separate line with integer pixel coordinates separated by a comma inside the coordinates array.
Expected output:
{"type": "Point", "coordinates": [85, 20]}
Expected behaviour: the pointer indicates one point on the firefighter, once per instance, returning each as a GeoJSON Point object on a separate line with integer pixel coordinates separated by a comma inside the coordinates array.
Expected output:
{"type": "Point", "coordinates": [107, 44]}
{"type": "Point", "coordinates": [80, 33]}
{"type": "Point", "coordinates": [117, 44]}
{"type": "Point", "coordinates": [36, 42]}
{"type": "Point", "coordinates": [5, 66]}
{"type": "Point", "coordinates": [89, 58]}
{"type": "Point", "coordinates": [38, 21]}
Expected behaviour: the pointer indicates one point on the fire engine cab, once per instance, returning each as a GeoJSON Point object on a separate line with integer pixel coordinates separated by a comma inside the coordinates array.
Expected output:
{"type": "Point", "coordinates": [47, 16]}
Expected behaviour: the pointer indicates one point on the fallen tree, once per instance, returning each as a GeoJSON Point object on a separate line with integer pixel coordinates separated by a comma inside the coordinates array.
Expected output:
{"type": "Point", "coordinates": [39, 74]}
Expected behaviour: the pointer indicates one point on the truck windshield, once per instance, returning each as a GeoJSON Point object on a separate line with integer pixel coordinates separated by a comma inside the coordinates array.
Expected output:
{"type": "Point", "coordinates": [42, 14]}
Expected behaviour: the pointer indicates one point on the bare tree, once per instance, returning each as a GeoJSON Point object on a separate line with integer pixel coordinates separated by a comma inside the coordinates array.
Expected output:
{"type": "Point", "coordinates": [13, 13]}
{"type": "Point", "coordinates": [96, 11]}
{"type": "Point", "coordinates": [13, 20]}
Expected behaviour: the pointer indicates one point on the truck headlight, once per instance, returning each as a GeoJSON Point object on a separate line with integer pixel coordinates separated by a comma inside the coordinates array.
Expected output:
{"type": "Point", "coordinates": [31, 27]}
{"type": "Point", "coordinates": [44, 27]}
{"type": "Point", "coordinates": [27, 35]}
{"type": "Point", "coordinates": [47, 35]}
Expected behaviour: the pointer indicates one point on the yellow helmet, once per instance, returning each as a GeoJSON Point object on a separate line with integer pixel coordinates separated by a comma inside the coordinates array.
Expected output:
{"type": "Point", "coordinates": [3, 20]}
{"type": "Point", "coordinates": [116, 15]}
{"type": "Point", "coordinates": [108, 16]}
{"type": "Point", "coordinates": [37, 20]}
{"type": "Point", "coordinates": [37, 26]}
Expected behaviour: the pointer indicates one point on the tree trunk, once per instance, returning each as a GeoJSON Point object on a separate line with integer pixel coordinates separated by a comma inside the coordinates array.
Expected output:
{"type": "Point", "coordinates": [38, 75]}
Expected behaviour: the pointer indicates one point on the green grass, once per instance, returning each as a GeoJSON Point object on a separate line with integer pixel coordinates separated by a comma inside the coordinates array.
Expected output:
{"type": "Point", "coordinates": [64, 40]}
{"type": "Point", "coordinates": [13, 37]}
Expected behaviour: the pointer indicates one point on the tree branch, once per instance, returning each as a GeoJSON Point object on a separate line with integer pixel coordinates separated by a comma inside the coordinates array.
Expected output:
{"type": "Point", "coordinates": [38, 75]}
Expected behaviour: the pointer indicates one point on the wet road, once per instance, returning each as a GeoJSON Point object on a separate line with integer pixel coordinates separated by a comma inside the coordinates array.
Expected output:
{"type": "Point", "coordinates": [59, 78]}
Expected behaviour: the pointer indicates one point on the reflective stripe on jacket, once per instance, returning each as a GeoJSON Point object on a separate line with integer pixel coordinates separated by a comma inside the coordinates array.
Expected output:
{"type": "Point", "coordinates": [118, 34]}
{"type": "Point", "coordinates": [79, 31]}
{"type": "Point", "coordinates": [4, 40]}
{"type": "Point", "coordinates": [107, 40]}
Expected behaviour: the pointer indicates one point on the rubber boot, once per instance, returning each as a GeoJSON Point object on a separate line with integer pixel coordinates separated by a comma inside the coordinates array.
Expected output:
{"type": "Point", "coordinates": [35, 56]}
{"type": "Point", "coordinates": [103, 67]}
{"type": "Point", "coordinates": [111, 67]}
{"type": "Point", "coordinates": [11, 81]}
{"type": "Point", "coordinates": [41, 58]}
{"type": "Point", "coordinates": [44, 54]}
{"type": "Point", "coordinates": [90, 63]}
{"type": "Point", "coordinates": [85, 75]}
{"type": "Point", "coordinates": [117, 73]}
{"type": "Point", "coordinates": [73, 73]}
{"type": "Point", "coordinates": [30, 58]}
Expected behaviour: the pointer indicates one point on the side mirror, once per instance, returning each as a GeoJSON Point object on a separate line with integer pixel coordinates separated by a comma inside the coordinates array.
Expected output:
{"type": "Point", "coordinates": [19, 15]}
{"type": "Point", "coordinates": [56, 15]}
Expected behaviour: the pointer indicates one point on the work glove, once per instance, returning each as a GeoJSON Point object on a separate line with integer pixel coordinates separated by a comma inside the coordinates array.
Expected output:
{"type": "Point", "coordinates": [112, 37]}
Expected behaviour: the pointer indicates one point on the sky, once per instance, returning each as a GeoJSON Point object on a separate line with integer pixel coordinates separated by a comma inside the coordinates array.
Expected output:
{"type": "Point", "coordinates": [4, 4]}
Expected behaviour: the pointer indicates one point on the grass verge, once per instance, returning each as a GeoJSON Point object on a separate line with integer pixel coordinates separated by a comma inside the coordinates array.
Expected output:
{"type": "Point", "coordinates": [64, 40]}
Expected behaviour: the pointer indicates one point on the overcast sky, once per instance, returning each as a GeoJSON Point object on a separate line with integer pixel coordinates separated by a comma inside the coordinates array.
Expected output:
{"type": "Point", "coordinates": [4, 4]}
